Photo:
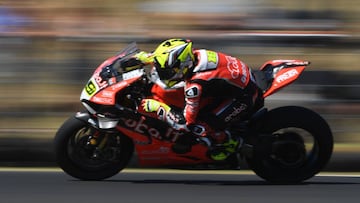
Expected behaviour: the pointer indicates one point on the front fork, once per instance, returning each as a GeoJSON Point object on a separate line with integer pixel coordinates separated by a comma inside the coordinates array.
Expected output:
{"type": "Point", "coordinates": [99, 135]}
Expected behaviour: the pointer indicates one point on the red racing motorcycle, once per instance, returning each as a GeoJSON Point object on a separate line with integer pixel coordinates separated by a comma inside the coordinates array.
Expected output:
{"type": "Point", "coordinates": [288, 144]}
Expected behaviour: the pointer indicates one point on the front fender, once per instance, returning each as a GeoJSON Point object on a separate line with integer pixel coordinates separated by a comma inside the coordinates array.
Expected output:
{"type": "Point", "coordinates": [99, 122]}
{"type": "Point", "coordinates": [82, 116]}
{"type": "Point", "coordinates": [87, 118]}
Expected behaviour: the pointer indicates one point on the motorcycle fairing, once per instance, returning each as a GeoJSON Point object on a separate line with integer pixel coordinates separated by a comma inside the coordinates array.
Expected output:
{"type": "Point", "coordinates": [159, 153]}
{"type": "Point", "coordinates": [153, 141]}
{"type": "Point", "coordinates": [277, 74]}
{"type": "Point", "coordinates": [96, 84]}
{"type": "Point", "coordinates": [283, 78]}
{"type": "Point", "coordinates": [104, 93]}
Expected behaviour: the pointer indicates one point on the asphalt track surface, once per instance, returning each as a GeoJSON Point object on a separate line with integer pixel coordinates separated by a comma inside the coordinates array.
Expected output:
{"type": "Point", "coordinates": [171, 186]}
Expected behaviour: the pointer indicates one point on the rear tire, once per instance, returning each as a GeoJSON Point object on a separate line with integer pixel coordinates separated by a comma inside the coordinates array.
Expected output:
{"type": "Point", "coordinates": [77, 159]}
{"type": "Point", "coordinates": [293, 144]}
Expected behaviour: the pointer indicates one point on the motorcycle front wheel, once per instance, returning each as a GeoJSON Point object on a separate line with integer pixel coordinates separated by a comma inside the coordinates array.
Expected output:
{"type": "Point", "coordinates": [86, 153]}
{"type": "Point", "coordinates": [293, 144]}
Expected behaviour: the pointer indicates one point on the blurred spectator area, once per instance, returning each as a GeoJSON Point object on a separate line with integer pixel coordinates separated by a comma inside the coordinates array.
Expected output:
{"type": "Point", "coordinates": [239, 15]}
{"type": "Point", "coordinates": [186, 17]}
{"type": "Point", "coordinates": [48, 49]}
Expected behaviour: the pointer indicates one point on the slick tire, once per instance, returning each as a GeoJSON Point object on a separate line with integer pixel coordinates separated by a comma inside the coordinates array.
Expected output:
{"type": "Point", "coordinates": [87, 170]}
{"type": "Point", "coordinates": [280, 136]}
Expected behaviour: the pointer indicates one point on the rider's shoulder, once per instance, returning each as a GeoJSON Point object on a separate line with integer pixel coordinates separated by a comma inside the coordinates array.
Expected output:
{"type": "Point", "coordinates": [206, 60]}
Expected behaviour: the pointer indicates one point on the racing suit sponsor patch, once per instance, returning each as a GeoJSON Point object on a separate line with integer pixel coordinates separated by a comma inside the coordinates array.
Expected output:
{"type": "Point", "coordinates": [212, 59]}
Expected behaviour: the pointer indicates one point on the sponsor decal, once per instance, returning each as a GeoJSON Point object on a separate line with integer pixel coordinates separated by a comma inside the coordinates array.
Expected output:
{"type": "Point", "coordinates": [244, 72]}
{"type": "Point", "coordinates": [285, 76]}
{"type": "Point", "coordinates": [99, 81]}
{"type": "Point", "coordinates": [298, 63]}
{"type": "Point", "coordinates": [132, 74]}
{"type": "Point", "coordinates": [119, 85]}
{"type": "Point", "coordinates": [236, 111]}
{"type": "Point", "coordinates": [108, 94]}
{"type": "Point", "coordinates": [143, 128]}
{"type": "Point", "coordinates": [233, 67]}
{"type": "Point", "coordinates": [102, 100]}
{"type": "Point", "coordinates": [212, 59]}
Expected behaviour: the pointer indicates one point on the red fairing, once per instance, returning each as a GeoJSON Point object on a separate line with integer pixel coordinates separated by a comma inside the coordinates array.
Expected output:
{"type": "Point", "coordinates": [153, 150]}
{"type": "Point", "coordinates": [159, 153]}
{"type": "Point", "coordinates": [280, 62]}
{"type": "Point", "coordinates": [283, 78]}
{"type": "Point", "coordinates": [107, 95]}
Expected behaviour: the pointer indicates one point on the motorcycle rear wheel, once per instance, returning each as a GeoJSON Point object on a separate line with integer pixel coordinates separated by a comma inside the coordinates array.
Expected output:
{"type": "Point", "coordinates": [293, 145]}
{"type": "Point", "coordinates": [86, 162]}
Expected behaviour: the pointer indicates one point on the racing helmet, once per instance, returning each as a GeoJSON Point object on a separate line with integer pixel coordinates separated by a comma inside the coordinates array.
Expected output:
{"type": "Point", "coordinates": [172, 60]}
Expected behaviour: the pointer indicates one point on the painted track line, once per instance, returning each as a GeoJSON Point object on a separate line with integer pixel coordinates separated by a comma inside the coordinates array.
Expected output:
{"type": "Point", "coordinates": [174, 171]}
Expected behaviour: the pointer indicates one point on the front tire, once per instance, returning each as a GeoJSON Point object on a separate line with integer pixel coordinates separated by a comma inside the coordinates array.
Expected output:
{"type": "Point", "coordinates": [293, 145]}
{"type": "Point", "coordinates": [85, 161]}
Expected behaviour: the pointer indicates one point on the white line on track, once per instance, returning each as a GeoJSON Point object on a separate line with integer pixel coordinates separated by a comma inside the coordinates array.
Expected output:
{"type": "Point", "coordinates": [175, 171]}
{"type": "Point", "coordinates": [340, 174]}
{"type": "Point", "coordinates": [29, 169]}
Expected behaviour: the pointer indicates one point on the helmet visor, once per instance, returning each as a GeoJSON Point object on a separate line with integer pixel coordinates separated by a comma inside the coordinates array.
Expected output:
{"type": "Point", "coordinates": [167, 72]}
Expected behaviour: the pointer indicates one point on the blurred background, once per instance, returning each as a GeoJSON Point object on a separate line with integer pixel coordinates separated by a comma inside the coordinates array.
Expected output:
{"type": "Point", "coordinates": [49, 49]}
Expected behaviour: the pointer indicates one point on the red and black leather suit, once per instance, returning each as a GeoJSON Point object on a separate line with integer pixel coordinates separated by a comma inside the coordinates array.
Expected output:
{"type": "Point", "coordinates": [219, 90]}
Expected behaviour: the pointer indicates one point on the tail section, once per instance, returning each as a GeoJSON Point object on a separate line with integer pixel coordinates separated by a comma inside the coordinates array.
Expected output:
{"type": "Point", "coordinates": [276, 74]}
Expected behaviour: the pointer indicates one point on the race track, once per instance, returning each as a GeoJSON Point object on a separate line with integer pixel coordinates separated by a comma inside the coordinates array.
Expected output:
{"type": "Point", "coordinates": [173, 186]}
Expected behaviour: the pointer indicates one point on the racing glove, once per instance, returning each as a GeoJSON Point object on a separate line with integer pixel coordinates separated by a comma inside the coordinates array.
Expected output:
{"type": "Point", "coordinates": [144, 57]}
{"type": "Point", "coordinates": [164, 112]}
{"type": "Point", "coordinates": [137, 61]}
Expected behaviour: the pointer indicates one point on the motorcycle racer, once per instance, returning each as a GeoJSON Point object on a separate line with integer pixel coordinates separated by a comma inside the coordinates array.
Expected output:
{"type": "Point", "coordinates": [128, 111]}
{"type": "Point", "coordinates": [219, 90]}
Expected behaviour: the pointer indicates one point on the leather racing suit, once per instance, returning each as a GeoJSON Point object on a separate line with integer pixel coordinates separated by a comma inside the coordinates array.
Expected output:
{"type": "Point", "coordinates": [222, 85]}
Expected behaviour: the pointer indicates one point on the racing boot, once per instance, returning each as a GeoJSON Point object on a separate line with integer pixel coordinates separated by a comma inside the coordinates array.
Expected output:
{"type": "Point", "coordinates": [221, 144]}
{"type": "Point", "coordinates": [229, 145]}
